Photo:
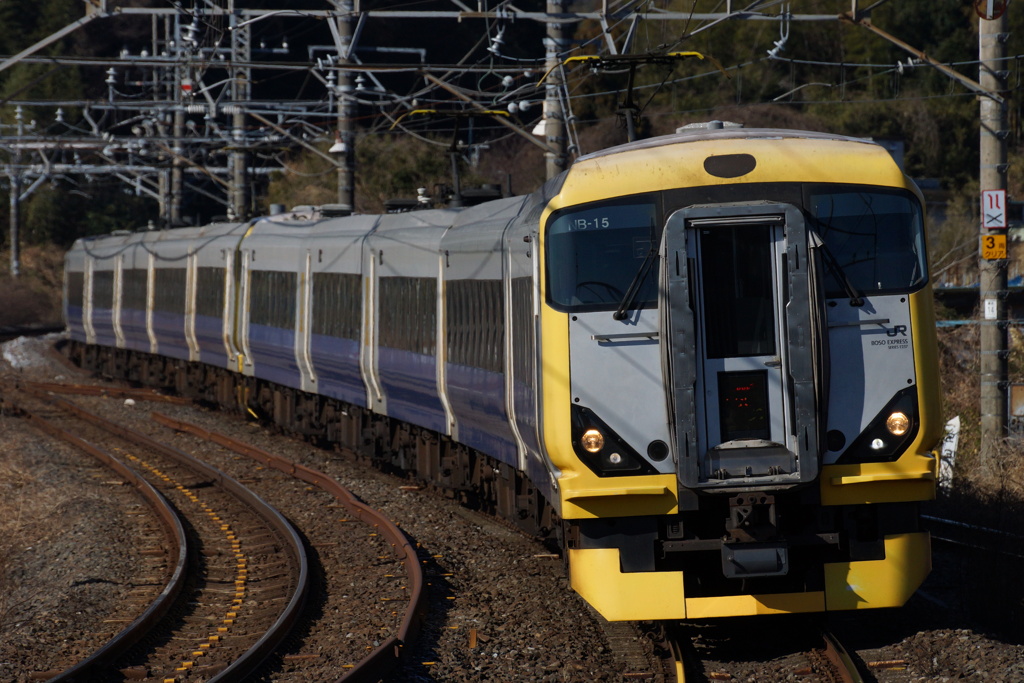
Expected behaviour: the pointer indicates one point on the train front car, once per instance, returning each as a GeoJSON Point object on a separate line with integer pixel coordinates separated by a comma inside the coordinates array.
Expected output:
{"type": "Point", "coordinates": [739, 375]}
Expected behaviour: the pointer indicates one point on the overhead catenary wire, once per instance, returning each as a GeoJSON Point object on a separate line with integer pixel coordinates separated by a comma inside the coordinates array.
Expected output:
{"type": "Point", "coordinates": [469, 77]}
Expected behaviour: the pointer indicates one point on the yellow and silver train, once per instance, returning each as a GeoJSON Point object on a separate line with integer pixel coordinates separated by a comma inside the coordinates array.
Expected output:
{"type": "Point", "coordinates": [705, 362]}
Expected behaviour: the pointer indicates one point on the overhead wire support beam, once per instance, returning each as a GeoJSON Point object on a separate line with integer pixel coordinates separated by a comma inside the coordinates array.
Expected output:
{"type": "Point", "coordinates": [512, 13]}
{"type": "Point", "coordinates": [970, 84]}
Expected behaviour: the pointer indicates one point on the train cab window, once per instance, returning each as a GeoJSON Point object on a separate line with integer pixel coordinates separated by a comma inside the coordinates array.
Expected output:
{"type": "Point", "coordinates": [595, 252]}
{"type": "Point", "coordinates": [876, 236]}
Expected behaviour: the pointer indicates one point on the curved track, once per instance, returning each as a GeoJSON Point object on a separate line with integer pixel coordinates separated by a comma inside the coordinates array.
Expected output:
{"type": "Point", "coordinates": [242, 577]}
{"type": "Point", "coordinates": [382, 659]}
{"type": "Point", "coordinates": [176, 549]}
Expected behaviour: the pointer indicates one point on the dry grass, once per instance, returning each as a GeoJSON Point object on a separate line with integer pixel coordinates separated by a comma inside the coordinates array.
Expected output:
{"type": "Point", "coordinates": [991, 591]}
{"type": "Point", "coordinates": [35, 295]}
{"type": "Point", "coordinates": [960, 368]}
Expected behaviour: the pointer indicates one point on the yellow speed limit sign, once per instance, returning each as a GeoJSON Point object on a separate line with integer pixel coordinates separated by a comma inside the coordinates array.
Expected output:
{"type": "Point", "coordinates": [993, 247]}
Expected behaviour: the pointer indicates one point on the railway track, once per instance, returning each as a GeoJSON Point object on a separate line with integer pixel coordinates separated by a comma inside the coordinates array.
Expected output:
{"type": "Point", "coordinates": [303, 653]}
{"type": "Point", "coordinates": [975, 537]}
{"type": "Point", "coordinates": [383, 657]}
{"type": "Point", "coordinates": [248, 570]}
{"type": "Point", "coordinates": [165, 559]}
{"type": "Point", "coordinates": [725, 652]}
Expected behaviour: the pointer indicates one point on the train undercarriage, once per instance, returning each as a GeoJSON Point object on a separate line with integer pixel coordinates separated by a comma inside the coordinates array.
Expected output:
{"type": "Point", "coordinates": [473, 478]}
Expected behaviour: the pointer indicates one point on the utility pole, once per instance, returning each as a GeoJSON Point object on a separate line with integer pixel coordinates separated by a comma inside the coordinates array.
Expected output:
{"type": "Point", "coordinates": [556, 44]}
{"type": "Point", "coordinates": [992, 34]}
{"type": "Point", "coordinates": [241, 88]}
{"type": "Point", "coordinates": [345, 146]}
{"type": "Point", "coordinates": [16, 199]}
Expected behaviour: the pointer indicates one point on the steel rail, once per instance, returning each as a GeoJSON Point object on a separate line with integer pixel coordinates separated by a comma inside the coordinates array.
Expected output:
{"type": "Point", "coordinates": [841, 659]}
{"type": "Point", "coordinates": [679, 651]}
{"type": "Point", "coordinates": [995, 536]}
{"type": "Point", "coordinates": [158, 608]}
{"type": "Point", "coordinates": [110, 392]}
{"type": "Point", "coordinates": [391, 651]}
{"type": "Point", "coordinates": [249, 660]}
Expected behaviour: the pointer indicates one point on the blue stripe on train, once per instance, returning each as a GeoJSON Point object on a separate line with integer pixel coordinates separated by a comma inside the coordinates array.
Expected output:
{"type": "Point", "coordinates": [526, 414]}
{"type": "Point", "coordinates": [273, 354]}
{"type": "Point", "coordinates": [409, 381]}
{"type": "Point", "coordinates": [103, 326]}
{"type": "Point", "coordinates": [133, 326]}
{"type": "Point", "coordinates": [336, 364]}
{"type": "Point", "coordinates": [169, 329]}
{"type": "Point", "coordinates": [76, 328]}
{"type": "Point", "coordinates": [478, 400]}
{"type": "Point", "coordinates": [210, 337]}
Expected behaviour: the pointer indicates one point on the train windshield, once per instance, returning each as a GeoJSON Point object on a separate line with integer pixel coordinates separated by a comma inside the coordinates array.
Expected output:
{"type": "Point", "coordinates": [595, 253]}
{"type": "Point", "coordinates": [876, 236]}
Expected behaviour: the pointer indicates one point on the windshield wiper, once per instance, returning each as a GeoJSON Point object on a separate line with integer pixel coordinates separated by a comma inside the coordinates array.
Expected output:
{"type": "Point", "coordinates": [634, 286]}
{"type": "Point", "coordinates": [856, 298]}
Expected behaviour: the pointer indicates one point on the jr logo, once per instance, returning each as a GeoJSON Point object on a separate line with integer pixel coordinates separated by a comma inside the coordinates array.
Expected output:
{"type": "Point", "coordinates": [896, 331]}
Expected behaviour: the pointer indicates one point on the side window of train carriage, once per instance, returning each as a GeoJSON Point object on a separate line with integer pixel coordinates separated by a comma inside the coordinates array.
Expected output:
{"type": "Point", "coordinates": [874, 239]}
{"type": "Point", "coordinates": [596, 251]}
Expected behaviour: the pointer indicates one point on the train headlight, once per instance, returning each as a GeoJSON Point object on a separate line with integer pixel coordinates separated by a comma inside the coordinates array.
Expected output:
{"type": "Point", "coordinates": [601, 449]}
{"type": "Point", "coordinates": [897, 424]}
{"type": "Point", "coordinates": [592, 440]}
{"type": "Point", "coordinates": [889, 434]}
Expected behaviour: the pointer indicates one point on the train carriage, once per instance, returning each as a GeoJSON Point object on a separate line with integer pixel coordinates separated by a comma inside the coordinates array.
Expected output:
{"type": "Point", "coordinates": [401, 261]}
{"type": "Point", "coordinates": [270, 317]}
{"type": "Point", "coordinates": [334, 248]}
{"type": "Point", "coordinates": [133, 282]}
{"type": "Point", "coordinates": [705, 362]}
{"type": "Point", "coordinates": [213, 265]}
{"type": "Point", "coordinates": [477, 381]}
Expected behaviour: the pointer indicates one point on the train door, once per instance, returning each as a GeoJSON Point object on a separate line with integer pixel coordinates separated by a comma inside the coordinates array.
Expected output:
{"type": "Point", "coordinates": [87, 299]}
{"type": "Point", "coordinates": [154, 344]}
{"type": "Point", "coordinates": [303, 323]}
{"type": "Point", "coordinates": [118, 300]}
{"type": "Point", "coordinates": [191, 284]}
{"type": "Point", "coordinates": [243, 294]}
{"type": "Point", "coordinates": [368, 355]}
{"type": "Point", "coordinates": [739, 371]}
{"type": "Point", "coordinates": [742, 345]}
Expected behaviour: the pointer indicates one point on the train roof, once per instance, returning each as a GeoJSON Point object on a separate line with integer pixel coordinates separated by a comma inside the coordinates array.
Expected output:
{"type": "Point", "coordinates": [705, 134]}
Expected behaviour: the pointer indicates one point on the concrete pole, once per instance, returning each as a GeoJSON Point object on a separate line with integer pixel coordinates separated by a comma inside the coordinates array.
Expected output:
{"type": "Point", "coordinates": [164, 84]}
{"type": "Point", "coordinates": [346, 111]}
{"type": "Point", "coordinates": [556, 44]}
{"type": "Point", "coordinates": [240, 92]}
{"type": "Point", "coordinates": [992, 49]}
{"type": "Point", "coordinates": [177, 164]}
{"type": "Point", "coordinates": [16, 200]}
{"type": "Point", "coordinates": [15, 220]}
{"type": "Point", "coordinates": [239, 167]}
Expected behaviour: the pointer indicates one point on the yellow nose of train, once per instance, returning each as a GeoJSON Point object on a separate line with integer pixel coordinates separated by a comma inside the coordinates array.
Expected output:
{"type": "Point", "coordinates": [738, 374]}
